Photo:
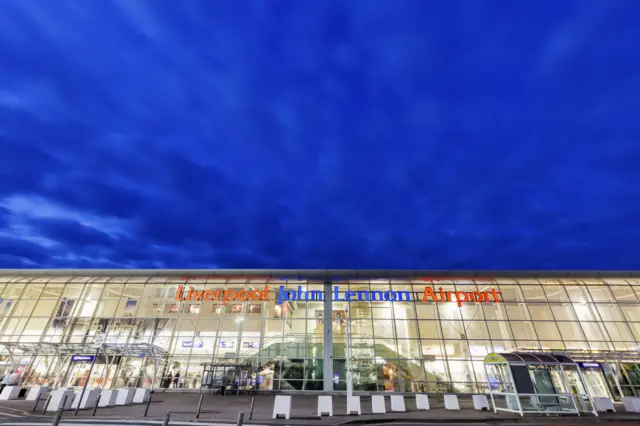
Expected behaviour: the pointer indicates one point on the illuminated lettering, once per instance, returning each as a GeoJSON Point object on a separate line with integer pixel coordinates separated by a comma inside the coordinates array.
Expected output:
{"type": "Point", "coordinates": [428, 292]}
{"type": "Point", "coordinates": [300, 294]}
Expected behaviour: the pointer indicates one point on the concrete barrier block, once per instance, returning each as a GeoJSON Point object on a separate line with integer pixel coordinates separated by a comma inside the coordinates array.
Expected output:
{"type": "Point", "coordinates": [353, 405]}
{"type": "Point", "coordinates": [282, 407]}
{"type": "Point", "coordinates": [451, 402]}
{"type": "Point", "coordinates": [58, 397]}
{"type": "Point", "coordinates": [480, 402]}
{"type": "Point", "coordinates": [10, 392]}
{"type": "Point", "coordinates": [397, 403]}
{"type": "Point", "coordinates": [125, 396]}
{"type": "Point", "coordinates": [89, 399]}
{"type": "Point", "coordinates": [325, 406]}
{"type": "Point", "coordinates": [378, 405]}
{"type": "Point", "coordinates": [141, 395]}
{"type": "Point", "coordinates": [37, 391]}
{"type": "Point", "coordinates": [422, 402]}
{"type": "Point", "coordinates": [603, 404]}
{"type": "Point", "coordinates": [107, 398]}
{"type": "Point", "coordinates": [631, 404]}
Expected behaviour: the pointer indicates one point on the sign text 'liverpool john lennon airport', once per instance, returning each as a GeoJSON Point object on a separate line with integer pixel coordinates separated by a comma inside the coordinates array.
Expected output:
{"type": "Point", "coordinates": [300, 295]}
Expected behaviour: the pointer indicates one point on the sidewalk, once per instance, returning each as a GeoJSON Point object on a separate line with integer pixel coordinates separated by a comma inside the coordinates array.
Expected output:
{"type": "Point", "coordinates": [225, 409]}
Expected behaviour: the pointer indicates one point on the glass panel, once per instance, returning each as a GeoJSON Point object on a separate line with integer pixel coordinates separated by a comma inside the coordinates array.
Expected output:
{"type": "Point", "coordinates": [540, 312]}
{"type": "Point", "coordinates": [631, 312]}
{"type": "Point", "coordinates": [477, 330]}
{"type": "Point", "coordinates": [523, 330]}
{"type": "Point", "coordinates": [517, 312]}
{"type": "Point", "coordinates": [511, 293]}
{"type": "Point", "coordinates": [570, 331]}
{"type": "Point", "coordinates": [623, 293]}
{"type": "Point", "coordinates": [609, 312]}
{"type": "Point", "coordinates": [585, 312]}
{"type": "Point", "coordinates": [577, 293]}
{"type": "Point", "coordinates": [600, 294]}
{"type": "Point", "coordinates": [563, 312]}
{"type": "Point", "coordinates": [619, 331]}
{"type": "Point", "coordinates": [556, 293]}
{"type": "Point", "coordinates": [534, 293]}
{"type": "Point", "coordinates": [500, 330]}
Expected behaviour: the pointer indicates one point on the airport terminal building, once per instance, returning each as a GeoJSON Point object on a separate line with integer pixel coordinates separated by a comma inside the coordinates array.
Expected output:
{"type": "Point", "coordinates": [290, 330]}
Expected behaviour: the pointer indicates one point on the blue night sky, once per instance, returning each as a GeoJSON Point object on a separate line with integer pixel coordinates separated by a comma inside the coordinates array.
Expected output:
{"type": "Point", "coordinates": [320, 134]}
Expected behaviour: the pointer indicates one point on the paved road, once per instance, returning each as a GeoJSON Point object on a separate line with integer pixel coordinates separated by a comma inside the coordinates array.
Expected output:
{"type": "Point", "coordinates": [9, 413]}
{"type": "Point", "coordinates": [217, 409]}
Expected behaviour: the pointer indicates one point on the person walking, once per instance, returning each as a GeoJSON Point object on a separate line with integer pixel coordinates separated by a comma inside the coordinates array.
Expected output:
{"type": "Point", "coordinates": [5, 380]}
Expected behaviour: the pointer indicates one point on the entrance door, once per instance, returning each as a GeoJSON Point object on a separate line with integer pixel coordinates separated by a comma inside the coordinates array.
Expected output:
{"type": "Point", "coordinates": [544, 385]}
{"type": "Point", "coordinates": [79, 373]}
{"type": "Point", "coordinates": [596, 382]}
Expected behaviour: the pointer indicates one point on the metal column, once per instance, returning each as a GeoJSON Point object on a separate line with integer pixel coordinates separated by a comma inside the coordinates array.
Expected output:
{"type": "Point", "coordinates": [328, 338]}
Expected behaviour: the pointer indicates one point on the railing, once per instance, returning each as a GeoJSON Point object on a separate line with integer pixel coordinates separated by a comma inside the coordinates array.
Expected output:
{"type": "Point", "coordinates": [532, 403]}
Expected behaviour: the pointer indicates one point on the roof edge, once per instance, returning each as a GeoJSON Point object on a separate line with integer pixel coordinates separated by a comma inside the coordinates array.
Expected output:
{"type": "Point", "coordinates": [319, 273]}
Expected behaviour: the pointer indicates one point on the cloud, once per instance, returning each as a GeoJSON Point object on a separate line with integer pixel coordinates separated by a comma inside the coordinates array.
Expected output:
{"type": "Point", "coordinates": [319, 135]}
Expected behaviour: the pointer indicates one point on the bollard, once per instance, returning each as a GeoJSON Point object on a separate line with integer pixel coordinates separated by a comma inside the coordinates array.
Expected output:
{"type": "Point", "coordinates": [199, 406]}
{"type": "Point", "coordinates": [96, 406]}
{"type": "Point", "coordinates": [167, 417]}
{"type": "Point", "coordinates": [240, 418]}
{"type": "Point", "coordinates": [46, 404]}
{"type": "Point", "coordinates": [58, 417]}
{"type": "Point", "coordinates": [146, 410]}
{"type": "Point", "coordinates": [253, 400]}
{"type": "Point", "coordinates": [35, 406]}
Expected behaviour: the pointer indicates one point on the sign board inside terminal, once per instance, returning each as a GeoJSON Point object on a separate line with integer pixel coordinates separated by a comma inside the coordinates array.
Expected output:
{"type": "Point", "coordinates": [429, 294]}
{"type": "Point", "coordinates": [82, 358]}
{"type": "Point", "coordinates": [589, 364]}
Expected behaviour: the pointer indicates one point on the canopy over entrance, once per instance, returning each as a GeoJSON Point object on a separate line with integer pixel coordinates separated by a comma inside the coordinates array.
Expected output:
{"type": "Point", "coordinates": [536, 382]}
{"type": "Point", "coordinates": [64, 351]}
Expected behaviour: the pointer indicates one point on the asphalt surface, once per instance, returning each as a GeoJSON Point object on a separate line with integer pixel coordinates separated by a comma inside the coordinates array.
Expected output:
{"type": "Point", "coordinates": [217, 410]}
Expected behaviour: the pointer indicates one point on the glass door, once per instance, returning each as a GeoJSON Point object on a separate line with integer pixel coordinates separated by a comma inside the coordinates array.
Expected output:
{"type": "Point", "coordinates": [544, 385]}
{"type": "Point", "coordinates": [79, 374]}
{"type": "Point", "coordinates": [596, 383]}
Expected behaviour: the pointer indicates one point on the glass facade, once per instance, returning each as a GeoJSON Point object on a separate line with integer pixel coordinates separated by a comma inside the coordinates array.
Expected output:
{"type": "Point", "coordinates": [400, 340]}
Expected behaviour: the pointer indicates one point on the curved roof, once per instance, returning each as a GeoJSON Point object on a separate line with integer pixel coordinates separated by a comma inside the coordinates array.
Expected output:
{"type": "Point", "coordinates": [536, 357]}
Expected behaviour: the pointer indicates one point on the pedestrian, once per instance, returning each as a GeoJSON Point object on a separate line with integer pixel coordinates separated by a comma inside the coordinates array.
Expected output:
{"type": "Point", "coordinates": [14, 379]}
{"type": "Point", "coordinates": [5, 380]}
{"type": "Point", "coordinates": [176, 380]}
{"type": "Point", "coordinates": [166, 382]}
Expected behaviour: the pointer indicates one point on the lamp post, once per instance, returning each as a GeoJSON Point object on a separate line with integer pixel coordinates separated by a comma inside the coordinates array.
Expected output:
{"type": "Point", "coordinates": [348, 363]}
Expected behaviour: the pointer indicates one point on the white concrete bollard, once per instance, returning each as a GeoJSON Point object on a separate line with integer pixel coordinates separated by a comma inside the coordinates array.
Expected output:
{"type": "Point", "coordinates": [603, 404]}
{"type": "Point", "coordinates": [141, 396]}
{"type": "Point", "coordinates": [397, 403]}
{"type": "Point", "coordinates": [353, 405]}
{"type": "Point", "coordinates": [422, 402]}
{"type": "Point", "coordinates": [378, 405]}
{"type": "Point", "coordinates": [631, 404]}
{"type": "Point", "coordinates": [57, 397]}
{"type": "Point", "coordinates": [480, 402]}
{"type": "Point", "coordinates": [108, 398]}
{"type": "Point", "coordinates": [282, 406]}
{"type": "Point", "coordinates": [451, 402]}
{"type": "Point", "coordinates": [124, 396]}
{"type": "Point", "coordinates": [37, 391]}
{"type": "Point", "coordinates": [325, 405]}
{"type": "Point", "coordinates": [88, 400]}
{"type": "Point", "coordinates": [10, 392]}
